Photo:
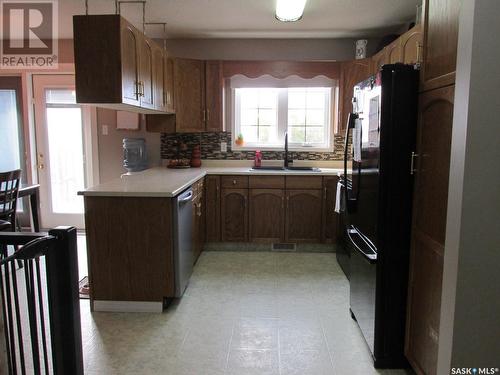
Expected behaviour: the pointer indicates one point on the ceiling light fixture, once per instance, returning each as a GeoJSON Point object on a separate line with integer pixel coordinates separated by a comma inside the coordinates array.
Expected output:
{"type": "Point", "coordinates": [290, 10]}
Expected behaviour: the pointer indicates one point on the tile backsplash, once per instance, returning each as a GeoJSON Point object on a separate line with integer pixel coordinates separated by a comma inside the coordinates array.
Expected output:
{"type": "Point", "coordinates": [210, 148]}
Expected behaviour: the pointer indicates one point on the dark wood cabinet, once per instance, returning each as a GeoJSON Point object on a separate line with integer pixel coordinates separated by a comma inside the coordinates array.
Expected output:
{"type": "Point", "coordinates": [303, 216]}
{"type": "Point", "coordinates": [116, 65]}
{"type": "Point", "coordinates": [213, 96]}
{"type": "Point", "coordinates": [330, 217]}
{"type": "Point", "coordinates": [212, 208]}
{"type": "Point", "coordinates": [234, 215]}
{"type": "Point", "coordinates": [351, 73]}
{"type": "Point", "coordinates": [393, 52]}
{"type": "Point", "coordinates": [440, 43]}
{"type": "Point", "coordinates": [379, 59]}
{"type": "Point", "coordinates": [411, 46]}
{"type": "Point", "coordinates": [189, 95]}
{"type": "Point", "coordinates": [429, 228]}
{"type": "Point", "coordinates": [267, 215]}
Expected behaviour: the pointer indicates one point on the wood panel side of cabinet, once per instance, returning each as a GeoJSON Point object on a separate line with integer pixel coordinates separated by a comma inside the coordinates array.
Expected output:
{"type": "Point", "coordinates": [189, 95]}
{"type": "Point", "coordinates": [267, 215]}
{"type": "Point", "coordinates": [440, 43]}
{"type": "Point", "coordinates": [352, 72]}
{"type": "Point", "coordinates": [303, 216]}
{"type": "Point", "coordinates": [428, 228]}
{"type": "Point", "coordinates": [212, 209]}
{"type": "Point", "coordinates": [130, 254]}
{"type": "Point", "coordinates": [214, 84]}
{"type": "Point", "coordinates": [234, 215]}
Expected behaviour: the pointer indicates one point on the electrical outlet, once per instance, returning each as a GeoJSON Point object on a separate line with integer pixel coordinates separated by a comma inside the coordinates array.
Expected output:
{"type": "Point", "coordinates": [105, 130]}
{"type": "Point", "coordinates": [223, 147]}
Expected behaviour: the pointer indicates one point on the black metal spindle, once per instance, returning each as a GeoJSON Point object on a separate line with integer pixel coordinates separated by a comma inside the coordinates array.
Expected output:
{"type": "Point", "coordinates": [42, 315]}
{"type": "Point", "coordinates": [30, 292]}
{"type": "Point", "coordinates": [18, 317]}
{"type": "Point", "coordinates": [10, 319]}
{"type": "Point", "coordinates": [6, 326]}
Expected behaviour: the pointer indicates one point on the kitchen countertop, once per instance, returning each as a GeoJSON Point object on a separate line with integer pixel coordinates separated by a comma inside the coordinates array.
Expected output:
{"type": "Point", "coordinates": [163, 182]}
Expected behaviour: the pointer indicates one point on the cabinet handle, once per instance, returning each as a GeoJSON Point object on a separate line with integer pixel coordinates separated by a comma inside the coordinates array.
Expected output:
{"type": "Point", "coordinates": [414, 155]}
{"type": "Point", "coordinates": [234, 182]}
{"type": "Point", "coordinates": [137, 89]}
{"type": "Point", "coordinates": [204, 116]}
{"type": "Point", "coordinates": [419, 53]}
{"type": "Point", "coordinates": [324, 193]}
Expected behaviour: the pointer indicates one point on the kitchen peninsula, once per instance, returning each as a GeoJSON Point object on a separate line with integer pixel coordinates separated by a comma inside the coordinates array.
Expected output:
{"type": "Point", "coordinates": [130, 223]}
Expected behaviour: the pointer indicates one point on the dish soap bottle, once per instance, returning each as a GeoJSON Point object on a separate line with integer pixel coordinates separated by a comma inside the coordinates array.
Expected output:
{"type": "Point", "coordinates": [257, 161]}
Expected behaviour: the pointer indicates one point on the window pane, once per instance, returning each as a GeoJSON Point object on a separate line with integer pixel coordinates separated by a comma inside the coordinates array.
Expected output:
{"type": "Point", "coordinates": [10, 136]}
{"type": "Point", "coordinates": [265, 134]}
{"type": "Point", "coordinates": [268, 98]}
{"type": "Point", "coordinates": [315, 100]}
{"type": "Point", "coordinates": [249, 117]}
{"type": "Point", "coordinates": [249, 98]}
{"type": "Point", "coordinates": [64, 127]}
{"type": "Point", "coordinates": [60, 96]}
{"type": "Point", "coordinates": [296, 117]}
{"type": "Point", "coordinates": [315, 135]}
{"type": "Point", "coordinates": [249, 133]}
{"type": "Point", "coordinates": [297, 134]}
{"type": "Point", "coordinates": [267, 117]}
{"type": "Point", "coordinates": [315, 117]}
{"type": "Point", "coordinates": [296, 99]}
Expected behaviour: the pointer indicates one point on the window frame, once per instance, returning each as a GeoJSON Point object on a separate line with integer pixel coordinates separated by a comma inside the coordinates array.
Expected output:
{"type": "Point", "coordinates": [282, 120]}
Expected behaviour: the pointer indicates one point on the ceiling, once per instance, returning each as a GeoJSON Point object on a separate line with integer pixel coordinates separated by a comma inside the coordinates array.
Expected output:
{"type": "Point", "coordinates": [253, 18]}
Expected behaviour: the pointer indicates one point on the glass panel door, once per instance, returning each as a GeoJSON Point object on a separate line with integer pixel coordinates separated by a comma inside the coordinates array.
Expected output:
{"type": "Point", "coordinates": [60, 150]}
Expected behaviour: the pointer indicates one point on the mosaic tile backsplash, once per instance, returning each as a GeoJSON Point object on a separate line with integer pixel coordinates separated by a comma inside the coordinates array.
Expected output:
{"type": "Point", "coordinates": [210, 148]}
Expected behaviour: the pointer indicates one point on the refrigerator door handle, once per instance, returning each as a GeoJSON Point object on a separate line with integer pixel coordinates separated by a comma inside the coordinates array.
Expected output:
{"type": "Point", "coordinates": [351, 123]}
{"type": "Point", "coordinates": [372, 258]}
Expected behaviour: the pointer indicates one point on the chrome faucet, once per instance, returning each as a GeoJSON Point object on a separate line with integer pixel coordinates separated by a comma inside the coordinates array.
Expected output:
{"type": "Point", "coordinates": [286, 150]}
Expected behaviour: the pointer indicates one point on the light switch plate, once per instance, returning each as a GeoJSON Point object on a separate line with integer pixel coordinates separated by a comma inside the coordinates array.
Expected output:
{"type": "Point", "coordinates": [223, 147]}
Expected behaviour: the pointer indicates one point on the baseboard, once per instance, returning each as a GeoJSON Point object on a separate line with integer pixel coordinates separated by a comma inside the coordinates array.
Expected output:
{"type": "Point", "coordinates": [128, 306]}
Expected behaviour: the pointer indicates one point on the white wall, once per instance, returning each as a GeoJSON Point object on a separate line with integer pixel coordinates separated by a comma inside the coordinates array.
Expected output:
{"type": "Point", "coordinates": [470, 311]}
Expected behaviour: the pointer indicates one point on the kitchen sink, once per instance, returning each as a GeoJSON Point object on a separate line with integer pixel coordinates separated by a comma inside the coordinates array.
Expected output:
{"type": "Point", "coordinates": [291, 169]}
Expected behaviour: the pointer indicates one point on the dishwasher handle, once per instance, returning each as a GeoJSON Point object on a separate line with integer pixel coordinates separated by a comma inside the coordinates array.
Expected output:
{"type": "Point", "coordinates": [186, 197]}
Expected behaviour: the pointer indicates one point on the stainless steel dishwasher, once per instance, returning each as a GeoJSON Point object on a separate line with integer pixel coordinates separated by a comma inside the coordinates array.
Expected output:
{"type": "Point", "coordinates": [183, 247]}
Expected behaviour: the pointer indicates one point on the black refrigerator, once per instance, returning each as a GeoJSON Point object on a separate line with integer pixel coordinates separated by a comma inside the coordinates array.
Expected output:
{"type": "Point", "coordinates": [378, 204]}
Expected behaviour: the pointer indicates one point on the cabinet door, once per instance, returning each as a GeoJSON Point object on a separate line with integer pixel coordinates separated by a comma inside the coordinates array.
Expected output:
{"type": "Point", "coordinates": [411, 45]}
{"type": "Point", "coordinates": [352, 72]}
{"type": "Point", "coordinates": [212, 208]}
{"type": "Point", "coordinates": [146, 76]}
{"type": "Point", "coordinates": [213, 95]}
{"type": "Point", "coordinates": [234, 212]}
{"type": "Point", "coordinates": [428, 228]}
{"type": "Point", "coordinates": [330, 217]}
{"type": "Point", "coordinates": [159, 79]}
{"type": "Point", "coordinates": [267, 215]}
{"type": "Point", "coordinates": [393, 52]}
{"type": "Point", "coordinates": [130, 64]}
{"type": "Point", "coordinates": [441, 39]}
{"type": "Point", "coordinates": [189, 95]}
{"type": "Point", "coordinates": [303, 216]}
{"type": "Point", "coordinates": [168, 84]}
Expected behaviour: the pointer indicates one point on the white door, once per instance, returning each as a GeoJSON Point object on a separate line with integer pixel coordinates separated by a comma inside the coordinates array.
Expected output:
{"type": "Point", "coordinates": [60, 141]}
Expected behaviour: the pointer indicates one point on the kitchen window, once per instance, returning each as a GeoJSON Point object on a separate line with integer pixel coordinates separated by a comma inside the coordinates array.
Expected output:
{"type": "Point", "coordinates": [264, 109]}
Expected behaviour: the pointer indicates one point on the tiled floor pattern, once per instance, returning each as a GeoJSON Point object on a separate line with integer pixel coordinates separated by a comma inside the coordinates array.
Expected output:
{"type": "Point", "coordinates": [243, 313]}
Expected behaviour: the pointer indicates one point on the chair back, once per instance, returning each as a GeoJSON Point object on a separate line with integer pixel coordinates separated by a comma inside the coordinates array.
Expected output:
{"type": "Point", "coordinates": [9, 186]}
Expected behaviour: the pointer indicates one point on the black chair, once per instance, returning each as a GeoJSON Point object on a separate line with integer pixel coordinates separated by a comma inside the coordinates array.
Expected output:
{"type": "Point", "coordinates": [9, 187]}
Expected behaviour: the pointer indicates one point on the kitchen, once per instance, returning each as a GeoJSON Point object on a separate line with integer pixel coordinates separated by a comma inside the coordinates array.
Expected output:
{"type": "Point", "coordinates": [272, 200]}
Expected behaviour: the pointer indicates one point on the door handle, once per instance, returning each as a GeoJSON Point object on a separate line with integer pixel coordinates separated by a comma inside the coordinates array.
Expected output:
{"type": "Point", "coordinates": [414, 155]}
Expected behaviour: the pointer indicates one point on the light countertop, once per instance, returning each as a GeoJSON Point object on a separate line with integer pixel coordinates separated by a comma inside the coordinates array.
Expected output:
{"type": "Point", "coordinates": [163, 182]}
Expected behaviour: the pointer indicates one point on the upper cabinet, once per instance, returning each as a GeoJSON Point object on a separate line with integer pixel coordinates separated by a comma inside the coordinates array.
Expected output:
{"type": "Point", "coordinates": [198, 90]}
{"type": "Point", "coordinates": [441, 39]}
{"type": "Point", "coordinates": [117, 66]}
{"type": "Point", "coordinates": [411, 46]}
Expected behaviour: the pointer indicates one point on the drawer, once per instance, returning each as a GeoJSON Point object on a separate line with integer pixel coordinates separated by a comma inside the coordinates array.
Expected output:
{"type": "Point", "coordinates": [237, 182]}
{"type": "Point", "coordinates": [304, 182]}
{"type": "Point", "coordinates": [267, 182]}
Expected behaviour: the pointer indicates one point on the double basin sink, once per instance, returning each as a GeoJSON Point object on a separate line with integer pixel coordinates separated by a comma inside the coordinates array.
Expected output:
{"type": "Point", "coordinates": [291, 169]}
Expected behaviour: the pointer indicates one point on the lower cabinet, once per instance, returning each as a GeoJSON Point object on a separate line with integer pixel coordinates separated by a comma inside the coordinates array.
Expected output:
{"type": "Point", "coordinates": [234, 215]}
{"type": "Point", "coordinates": [267, 215]}
{"type": "Point", "coordinates": [268, 210]}
{"type": "Point", "coordinates": [198, 236]}
{"type": "Point", "coordinates": [303, 216]}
